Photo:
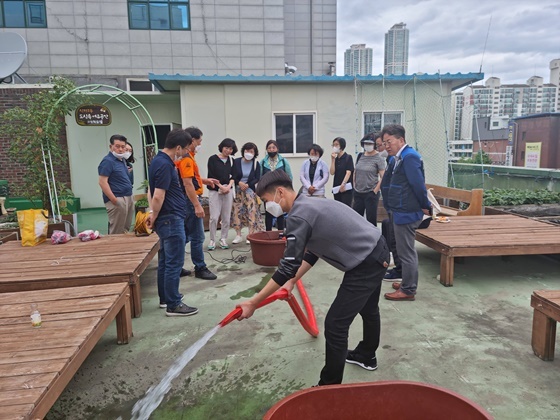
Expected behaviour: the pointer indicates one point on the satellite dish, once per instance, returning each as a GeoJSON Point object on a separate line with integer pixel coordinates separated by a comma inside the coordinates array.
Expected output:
{"type": "Point", "coordinates": [13, 51]}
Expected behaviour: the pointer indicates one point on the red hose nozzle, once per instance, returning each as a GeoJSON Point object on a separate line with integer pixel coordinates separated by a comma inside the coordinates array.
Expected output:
{"type": "Point", "coordinates": [281, 294]}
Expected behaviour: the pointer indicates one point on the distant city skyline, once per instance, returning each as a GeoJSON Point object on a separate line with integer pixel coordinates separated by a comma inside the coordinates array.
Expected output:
{"type": "Point", "coordinates": [451, 36]}
{"type": "Point", "coordinates": [396, 50]}
{"type": "Point", "coordinates": [358, 60]}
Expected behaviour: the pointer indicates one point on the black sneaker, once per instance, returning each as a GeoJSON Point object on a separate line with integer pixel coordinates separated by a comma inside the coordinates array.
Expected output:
{"type": "Point", "coordinates": [182, 310]}
{"type": "Point", "coordinates": [185, 273]}
{"type": "Point", "coordinates": [163, 305]}
{"type": "Point", "coordinates": [357, 359]}
{"type": "Point", "coordinates": [205, 274]}
{"type": "Point", "coordinates": [392, 275]}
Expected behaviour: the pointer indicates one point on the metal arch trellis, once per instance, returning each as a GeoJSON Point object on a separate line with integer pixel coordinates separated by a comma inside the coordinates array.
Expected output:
{"type": "Point", "coordinates": [131, 103]}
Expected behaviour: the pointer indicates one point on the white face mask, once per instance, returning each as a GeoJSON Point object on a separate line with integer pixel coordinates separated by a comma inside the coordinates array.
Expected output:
{"type": "Point", "coordinates": [197, 148]}
{"type": "Point", "coordinates": [313, 158]}
{"type": "Point", "coordinates": [248, 156]}
{"type": "Point", "coordinates": [368, 147]}
{"type": "Point", "coordinates": [126, 155]}
{"type": "Point", "coordinates": [118, 155]}
{"type": "Point", "coordinates": [336, 149]}
{"type": "Point", "coordinates": [274, 208]}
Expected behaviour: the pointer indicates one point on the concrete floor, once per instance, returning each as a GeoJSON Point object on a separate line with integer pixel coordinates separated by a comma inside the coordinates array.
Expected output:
{"type": "Point", "coordinates": [473, 338]}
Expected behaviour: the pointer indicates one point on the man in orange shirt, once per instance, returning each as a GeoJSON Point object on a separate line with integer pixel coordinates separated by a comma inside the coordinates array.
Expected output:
{"type": "Point", "coordinates": [192, 181]}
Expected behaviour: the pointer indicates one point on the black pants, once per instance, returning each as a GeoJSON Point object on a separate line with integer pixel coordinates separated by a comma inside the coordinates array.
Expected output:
{"type": "Point", "coordinates": [344, 197]}
{"type": "Point", "coordinates": [389, 234]}
{"type": "Point", "coordinates": [358, 294]}
{"type": "Point", "coordinates": [268, 218]}
{"type": "Point", "coordinates": [366, 202]}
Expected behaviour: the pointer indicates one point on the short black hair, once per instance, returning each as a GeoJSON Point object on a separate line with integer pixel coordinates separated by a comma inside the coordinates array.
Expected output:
{"type": "Point", "coordinates": [369, 137]}
{"type": "Point", "coordinates": [317, 148]}
{"type": "Point", "coordinates": [393, 130]}
{"type": "Point", "coordinates": [119, 137]}
{"type": "Point", "coordinates": [249, 146]}
{"type": "Point", "coordinates": [271, 180]}
{"type": "Point", "coordinates": [227, 142]}
{"type": "Point", "coordinates": [195, 132]}
{"type": "Point", "coordinates": [274, 142]}
{"type": "Point", "coordinates": [340, 141]}
{"type": "Point", "coordinates": [177, 137]}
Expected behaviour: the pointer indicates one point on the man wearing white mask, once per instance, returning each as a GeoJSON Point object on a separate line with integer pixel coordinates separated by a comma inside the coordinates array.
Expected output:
{"type": "Point", "coordinates": [361, 253]}
{"type": "Point", "coordinates": [116, 186]}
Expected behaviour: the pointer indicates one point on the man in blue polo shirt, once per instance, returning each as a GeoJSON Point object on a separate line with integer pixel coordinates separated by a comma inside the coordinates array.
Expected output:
{"type": "Point", "coordinates": [167, 217]}
{"type": "Point", "coordinates": [116, 186]}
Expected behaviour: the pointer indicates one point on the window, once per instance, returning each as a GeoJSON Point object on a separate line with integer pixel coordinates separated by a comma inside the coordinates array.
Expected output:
{"type": "Point", "coordinates": [374, 121]}
{"type": "Point", "coordinates": [295, 133]}
{"type": "Point", "coordinates": [159, 14]}
{"type": "Point", "coordinates": [23, 14]}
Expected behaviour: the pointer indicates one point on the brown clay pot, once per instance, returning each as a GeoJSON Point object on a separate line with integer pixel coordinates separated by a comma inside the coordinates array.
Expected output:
{"type": "Point", "coordinates": [267, 248]}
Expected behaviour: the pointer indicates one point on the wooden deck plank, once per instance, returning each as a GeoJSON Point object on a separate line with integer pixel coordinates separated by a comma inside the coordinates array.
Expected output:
{"type": "Point", "coordinates": [36, 367]}
{"type": "Point", "coordinates": [58, 307]}
{"type": "Point", "coordinates": [36, 380]}
{"type": "Point", "coordinates": [497, 235]}
{"type": "Point", "coordinates": [21, 396]}
{"type": "Point", "coordinates": [15, 412]}
{"type": "Point", "coordinates": [53, 294]}
{"type": "Point", "coordinates": [53, 317]}
{"type": "Point", "coordinates": [31, 355]}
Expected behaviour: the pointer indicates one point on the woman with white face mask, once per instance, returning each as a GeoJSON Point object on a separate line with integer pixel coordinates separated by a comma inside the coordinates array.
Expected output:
{"type": "Point", "coordinates": [129, 159]}
{"type": "Point", "coordinates": [314, 173]}
{"type": "Point", "coordinates": [245, 210]}
{"type": "Point", "coordinates": [342, 167]}
{"type": "Point", "coordinates": [370, 167]}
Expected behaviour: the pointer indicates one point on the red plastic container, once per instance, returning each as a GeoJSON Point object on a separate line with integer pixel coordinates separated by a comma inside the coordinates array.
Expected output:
{"type": "Point", "coordinates": [267, 248]}
{"type": "Point", "coordinates": [387, 400]}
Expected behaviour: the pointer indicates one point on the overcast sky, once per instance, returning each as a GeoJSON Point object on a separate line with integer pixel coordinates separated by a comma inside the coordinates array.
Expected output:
{"type": "Point", "coordinates": [449, 35]}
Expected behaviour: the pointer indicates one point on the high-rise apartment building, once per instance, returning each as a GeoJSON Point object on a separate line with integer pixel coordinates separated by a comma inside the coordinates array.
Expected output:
{"type": "Point", "coordinates": [110, 42]}
{"type": "Point", "coordinates": [500, 102]}
{"type": "Point", "coordinates": [396, 50]}
{"type": "Point", "coordinates": [358, 60]}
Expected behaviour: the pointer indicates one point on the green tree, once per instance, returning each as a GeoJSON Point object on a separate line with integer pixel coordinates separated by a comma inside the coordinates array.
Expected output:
{"type": "Point", "coordinates": [27, 128]}
{"type": "Point", "coordinates": [481, 157]}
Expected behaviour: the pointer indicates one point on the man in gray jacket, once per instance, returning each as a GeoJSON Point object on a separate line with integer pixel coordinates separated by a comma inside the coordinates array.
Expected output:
{"type": "Point", "coordinates": [316, 229]}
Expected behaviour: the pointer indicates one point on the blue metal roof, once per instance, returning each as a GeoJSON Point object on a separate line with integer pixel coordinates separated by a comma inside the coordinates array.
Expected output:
{"type": "Point", "coordinates": [541, 115]}
{"type": "Point", "coordinates": [169, 82]}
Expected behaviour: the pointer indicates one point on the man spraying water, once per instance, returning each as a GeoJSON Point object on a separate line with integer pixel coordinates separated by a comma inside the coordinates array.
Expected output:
{"type": "Point", "coordinates": [326, 229]}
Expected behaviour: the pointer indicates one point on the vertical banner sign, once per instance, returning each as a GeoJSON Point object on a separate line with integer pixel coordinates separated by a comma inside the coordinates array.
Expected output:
{"type": "Point", "coordinates": [93, 115]}
{"type": "Point", "coordinates": [533, 155]}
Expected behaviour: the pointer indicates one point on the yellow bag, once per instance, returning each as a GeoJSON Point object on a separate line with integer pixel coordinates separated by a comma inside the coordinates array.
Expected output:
{"type": "Point", "coordinates": [33, 226]}
{"type": "Point", "coordinates": [140, 226]}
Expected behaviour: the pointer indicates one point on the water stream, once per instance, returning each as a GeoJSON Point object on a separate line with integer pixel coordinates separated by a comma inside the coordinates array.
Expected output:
{"type": "Point", "coordinates": [144, 407]}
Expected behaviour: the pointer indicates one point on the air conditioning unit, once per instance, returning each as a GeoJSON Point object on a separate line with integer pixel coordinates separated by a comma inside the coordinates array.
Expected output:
{"type": "Point", "coordinates": [139, 85]}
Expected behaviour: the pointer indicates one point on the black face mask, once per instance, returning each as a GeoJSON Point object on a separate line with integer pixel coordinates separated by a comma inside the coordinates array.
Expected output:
{"type": "Point", "coordinates": [272, 154]}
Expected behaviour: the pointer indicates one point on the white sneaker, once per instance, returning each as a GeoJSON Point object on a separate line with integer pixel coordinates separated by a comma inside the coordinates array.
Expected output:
{"type": "Point", "coordinates": [223, 244]}
{"type": "Point", "coordinates": [237, 240]}
{"type": "Point", "coordinates": [211, 246]}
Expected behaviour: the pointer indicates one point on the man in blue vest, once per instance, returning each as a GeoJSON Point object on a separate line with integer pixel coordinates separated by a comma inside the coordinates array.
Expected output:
{"type": "Point", "coordinates": [405, 198]}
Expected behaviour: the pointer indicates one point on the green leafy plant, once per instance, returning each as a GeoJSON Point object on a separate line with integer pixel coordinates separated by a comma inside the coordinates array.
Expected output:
{"type": "Point", "coordinates": [143, 202]}
{"type": "Point", "coordinates": [481, 157]}
{"type": "Point", "coordinates": [27, 128]}
{"type": "Point", "coordinates": [514, 197]}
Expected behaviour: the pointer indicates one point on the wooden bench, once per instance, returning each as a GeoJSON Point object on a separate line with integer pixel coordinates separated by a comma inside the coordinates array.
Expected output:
{"type": "Point", "coordinates": [481, 236]}
{"type": "Point", "coordinates": [447, 196]}
{"type": "Point", "coordinates": [110, 259]}
{"type": "Point", "coordinates": [546, 304]}
{"type": "Point", "coordinates": [36, 364]}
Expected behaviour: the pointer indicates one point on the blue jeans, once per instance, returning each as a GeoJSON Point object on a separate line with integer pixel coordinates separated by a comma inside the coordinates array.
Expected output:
{"type": "Point", "coordinates": [171, 257]}
{"type": "Point", "coordinates": [194, 230]}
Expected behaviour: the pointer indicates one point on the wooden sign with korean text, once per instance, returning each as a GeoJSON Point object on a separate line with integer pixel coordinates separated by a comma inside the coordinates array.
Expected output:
{"type": "Point", "coordinates": [93, 115]}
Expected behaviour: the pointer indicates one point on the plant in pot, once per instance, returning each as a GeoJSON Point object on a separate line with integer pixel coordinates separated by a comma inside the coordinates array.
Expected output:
{"type": "Point", "coordinates": [31, 138]}
{"type": "Point", "coordinates": [141, 200]}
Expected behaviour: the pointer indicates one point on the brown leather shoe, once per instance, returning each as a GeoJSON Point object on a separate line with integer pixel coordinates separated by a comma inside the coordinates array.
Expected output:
{"type": "Point", "coordinates": [398, 295]}
{"type": "Point", "coordinates": [397, 285]}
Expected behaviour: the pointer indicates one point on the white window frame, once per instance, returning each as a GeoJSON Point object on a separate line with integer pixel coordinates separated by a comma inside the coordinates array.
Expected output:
{"type": "Point", "coordinates": [294, 114]}
{"type": "Point", "coordinates": [132, 79]}
{"type": "Point", "coordinates": [382, 117]}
